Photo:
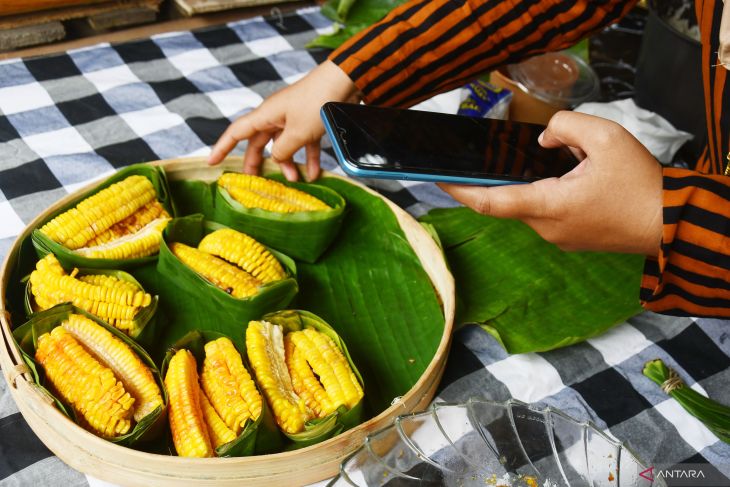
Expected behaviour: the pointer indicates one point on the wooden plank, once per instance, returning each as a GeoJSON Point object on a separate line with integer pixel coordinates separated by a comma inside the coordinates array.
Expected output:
{"type": "Point", "coordinates": [193, 7]}
{"type": "Point", "coordinates": [11, 7]}
{"type": "Point", "coordinates": [132, 33]}
{"type": "Point", "coordinates": [74, 12]}
{"type": "Point", "coordinates": [31, 35]}
{"type": "Point", "coordinates": [122, 18]}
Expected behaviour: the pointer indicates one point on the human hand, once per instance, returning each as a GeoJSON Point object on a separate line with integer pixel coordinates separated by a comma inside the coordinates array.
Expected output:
{"type": "Point", "coordinates": [291, 118]}
{"type": "Point", "coordinates": [612, 201]}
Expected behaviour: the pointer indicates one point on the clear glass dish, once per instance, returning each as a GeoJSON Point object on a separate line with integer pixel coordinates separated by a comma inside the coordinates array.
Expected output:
{"type": "Point", "coordinates": [485, 443]}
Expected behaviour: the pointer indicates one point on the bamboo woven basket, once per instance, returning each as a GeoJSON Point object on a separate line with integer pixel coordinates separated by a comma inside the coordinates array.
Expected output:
{"type": "Point", "coordinates": [107, 461]}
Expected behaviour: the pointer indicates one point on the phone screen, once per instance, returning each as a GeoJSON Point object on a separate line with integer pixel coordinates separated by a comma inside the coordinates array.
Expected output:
{"type": "Point", "coordinates": [397, 140]}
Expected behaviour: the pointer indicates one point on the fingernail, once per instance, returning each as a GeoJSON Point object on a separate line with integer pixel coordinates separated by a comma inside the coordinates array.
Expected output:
{"type": "Point", "coordinates": [539, 137]}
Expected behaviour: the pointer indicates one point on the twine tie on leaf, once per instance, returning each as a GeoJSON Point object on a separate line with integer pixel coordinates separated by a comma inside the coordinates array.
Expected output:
{"type": "Point", "coordinates": [672, 383]}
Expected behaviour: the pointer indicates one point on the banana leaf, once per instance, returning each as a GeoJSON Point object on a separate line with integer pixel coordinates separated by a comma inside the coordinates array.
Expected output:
{"type": "Point", "coordinates": [302, 235]}
{"type": "Point", "coordinates": [144, 331]}
{"type": "Point", "coordinates": [351, 16]}
{"type": "Point", "coordinates": [259, 436]}
{"type": "Point", "coordinates": [191, 302]}
{"type": "Point", "coordinates": [341, 420]}
{"type": "Point", "coordinates": [527, 293]}
{"type": "Point", "coordinates": [26, 337]}
{"type": "Point", "coordinates": [70, 259]}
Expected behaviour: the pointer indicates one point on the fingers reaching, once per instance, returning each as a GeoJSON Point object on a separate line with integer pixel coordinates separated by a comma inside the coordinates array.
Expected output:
{"type": "Point", "coordinates": [239, 130]}
{"type": "Point", "coordinates": [313, 169]}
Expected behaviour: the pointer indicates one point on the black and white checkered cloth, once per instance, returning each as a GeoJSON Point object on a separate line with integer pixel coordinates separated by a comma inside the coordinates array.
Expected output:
{"type": "Point", "coordinates": [71, 118]}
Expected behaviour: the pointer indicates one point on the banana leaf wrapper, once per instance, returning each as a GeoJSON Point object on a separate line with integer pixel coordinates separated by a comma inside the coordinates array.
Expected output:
{"type": "Point", "coordinates": [26, 337]}
{"type": "Point", "coordinates": [191, 302]}
{"type": "Point", "coordinates": [258, 437]}
{"type": "Point", "coordinates": [68, 258]}
{"type": "Point", "coordinates": [301, 235]}
{"type": "Point", "coordinates": [145, 322]}
{"type": "Point", "coordinates": [527, 293]}
{"type": "Point", "coordinates": [320, 429]}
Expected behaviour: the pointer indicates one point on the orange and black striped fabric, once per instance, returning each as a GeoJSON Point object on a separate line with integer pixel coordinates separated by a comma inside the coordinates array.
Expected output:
{"type": "Point", "coordinates": [427, 47]}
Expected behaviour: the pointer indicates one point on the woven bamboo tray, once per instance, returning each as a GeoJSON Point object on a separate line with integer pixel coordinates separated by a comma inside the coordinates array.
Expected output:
{"type": "Point", "coordinates": [107, 461]}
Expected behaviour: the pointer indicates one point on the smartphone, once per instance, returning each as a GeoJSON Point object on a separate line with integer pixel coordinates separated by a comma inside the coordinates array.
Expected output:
{"type": "Point", "coordinates": [393, 143]}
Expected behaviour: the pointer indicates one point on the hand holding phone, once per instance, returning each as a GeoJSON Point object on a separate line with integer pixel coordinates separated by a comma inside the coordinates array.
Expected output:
{"type": "Point", "coordinates": [391, 143]}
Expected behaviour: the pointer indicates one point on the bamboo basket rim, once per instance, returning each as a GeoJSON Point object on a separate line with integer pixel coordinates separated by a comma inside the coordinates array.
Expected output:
{"type": "Point", "coordinates": [18, 377]}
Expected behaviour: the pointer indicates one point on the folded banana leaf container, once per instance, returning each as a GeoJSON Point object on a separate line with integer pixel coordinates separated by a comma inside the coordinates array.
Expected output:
{"type": "Point", "coordinates": [26, 337]}
{"type": "Point", "coordinates": [181, 288]}
{"type": "Point", "coordinates": [260, 436]}
{"type": "Point", "coordinates": [382, 284]}
{"type": "Point", "coordinates": [145, 321]}
{"type": "Point", "coordinates": [68, 258]}
{"type": "Point", "coordinates": [303, 235]}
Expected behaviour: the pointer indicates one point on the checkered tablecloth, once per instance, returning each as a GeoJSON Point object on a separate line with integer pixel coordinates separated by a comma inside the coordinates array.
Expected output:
{"type": "Point", "coordinates": [71, 118]}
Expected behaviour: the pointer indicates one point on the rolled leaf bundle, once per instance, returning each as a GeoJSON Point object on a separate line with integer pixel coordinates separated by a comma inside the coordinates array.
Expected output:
{"type": "Point", "coordinates": [239, 278]}
{"type": "Point", "coordinates": [113, 296]}
{"type": "Point", "coordinates": [117, 224]}
{"type": "Point", "coordinates": [306, 375]}
{"type": "Point", "coordinates": [299, 219]}
{"type": "Point", "coordinates": [215, 407]}
{"type": "Point", "coordinates": [98, 376]}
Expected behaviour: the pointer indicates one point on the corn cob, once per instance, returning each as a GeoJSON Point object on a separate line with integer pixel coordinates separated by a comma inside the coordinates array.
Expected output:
{"type": "Point", "coordinates": [98, 212]}
{"type": "Point", "coordinates": [320, 373]}
{"type": "Point", "coordinates": [85, 384]}
{"type": "Point", "coordinates": [220, 434]}
{"type": "Point", "coordinates": [257, 192]}
{"type": "Point", "coordinates": [236, 282]}
{"type": "Point", "coordinates": [245, 252]}
{"type": "Point", "coordinates": [115, 301]}
{"type": "Point", "coordinates": [189, 432]}
{"type": "Point", "coordinates": [265, 349]}
{"type": "Point", "coordinates": [132, 224]}
{"type": "Point", "coordinates": [228, 385]}
{"type": "Point", "coordinates": [144, 242]}
{"type": "Point", "coordinates": [121, 359]}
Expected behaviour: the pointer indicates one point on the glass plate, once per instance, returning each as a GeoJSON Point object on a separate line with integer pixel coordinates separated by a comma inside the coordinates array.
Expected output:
{"type": "Point", "coordinates": [484, 443]}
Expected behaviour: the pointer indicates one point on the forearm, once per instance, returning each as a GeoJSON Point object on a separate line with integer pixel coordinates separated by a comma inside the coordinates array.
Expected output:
{"type": "Point", "coordinates": [426, 47]}
{"type": "Point", "coordinates": [691, 275]}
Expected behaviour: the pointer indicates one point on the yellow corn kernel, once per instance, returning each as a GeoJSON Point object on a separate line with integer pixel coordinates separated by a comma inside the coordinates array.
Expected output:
{"type": "Point", "coordinates": [228, 385]}
{"type": "Point", "coordinates": [135, 295]}
{"type": "Point", "coordinates": [100, 211]}
{"type": "Point", "coordinates": [121, 359]}
{"type": "Point", "coordinates": [236, 282]}
{"type": "Point", "coordinates": [85, 384]}
{"type": "Point", "coordinates": [330, 365]}
{"type": "Point", "coordinates": [220, 434]}
{"type": "Point", "coordinates": [265, 349]}
{"type": "Point", "coordinates": [132, 224]}
{"type": "Point", "coordinates": [189, 432]}
{"type": "Point", "coordinates": [304, 381]}
{"type": "Point", "coordinates": [245, 252]}
{"type": "Point", "coordinates": [257, 192]}
{"type": "Point", "coordinates": [140, 244]}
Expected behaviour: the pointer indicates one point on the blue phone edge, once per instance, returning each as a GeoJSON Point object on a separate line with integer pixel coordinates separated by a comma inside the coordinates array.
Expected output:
{"type": "Point", "coordinates": [355, 171]}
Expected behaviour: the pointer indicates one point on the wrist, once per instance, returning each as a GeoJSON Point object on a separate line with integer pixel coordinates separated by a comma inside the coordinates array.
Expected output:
{"type": "Point", "coordinates": [341, 87]}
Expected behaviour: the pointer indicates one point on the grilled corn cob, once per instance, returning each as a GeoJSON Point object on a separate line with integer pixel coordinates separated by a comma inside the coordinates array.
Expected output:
{"type": "Point", "coordinates": [257, 192]}
{"type": "Point", "coordinates": [245, 252]}
{"type": "Point", "coordinates": [220, 434]}
{"type": "Point", "coordinates": [189, 431]}
{"type": "Point", "coordinates": [228, 386]}
{"type": "Point", "coordinates": [320, 373]}
{"type": "Point", "coordinates": [100, 211]}
{"type": "Point", "coordinates": [113, 300]}
{"type": "Point", "coordinates": [90, 388]}
{"type": "Point", "coordinates": [236, 282]}
{"type": "Point", "coordinates": [142, 243]}
{"type": "Point", "coordinates": [265, 349]}
{"type": "Point", "coordinates": [121, 359]}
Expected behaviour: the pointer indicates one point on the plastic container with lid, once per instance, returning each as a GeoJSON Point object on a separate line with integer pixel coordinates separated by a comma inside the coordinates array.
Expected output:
{"type": "Point", "coordinates": [544, 84]}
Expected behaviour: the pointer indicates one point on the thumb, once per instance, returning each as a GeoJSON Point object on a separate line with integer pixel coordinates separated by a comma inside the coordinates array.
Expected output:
{"type": "Point", "coordinates": [509, 201]}
{"type": "Point", "coordinates": [579, 131]}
